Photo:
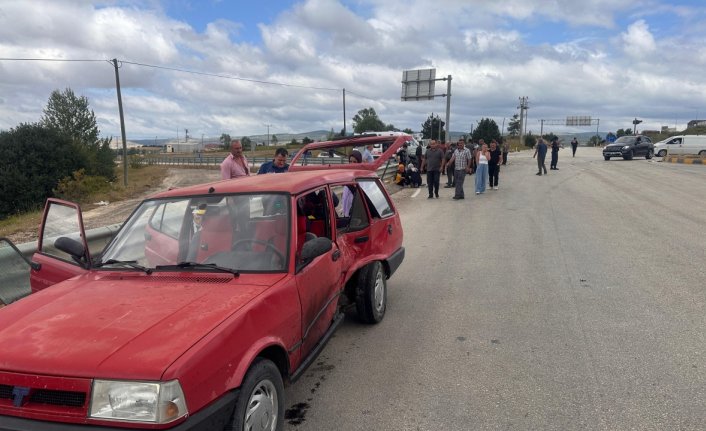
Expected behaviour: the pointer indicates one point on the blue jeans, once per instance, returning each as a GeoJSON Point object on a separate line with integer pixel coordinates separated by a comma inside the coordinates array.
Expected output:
{"type": "Point", "coordinates": [481, 177]}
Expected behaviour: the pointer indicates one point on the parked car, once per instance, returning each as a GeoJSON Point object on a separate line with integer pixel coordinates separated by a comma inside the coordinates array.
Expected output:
{"type": "Point", "coordinates": [628, 147]}
{"type": "Point", "coordinates": [206, 303]}
{"type": "Point", "coordinates": [682, 144]}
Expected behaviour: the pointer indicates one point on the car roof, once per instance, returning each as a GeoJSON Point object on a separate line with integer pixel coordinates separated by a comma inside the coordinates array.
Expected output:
{"type": "Point", "coordinates": [395, 142]}
{"type": "Point", "coordinates": [287, 182]}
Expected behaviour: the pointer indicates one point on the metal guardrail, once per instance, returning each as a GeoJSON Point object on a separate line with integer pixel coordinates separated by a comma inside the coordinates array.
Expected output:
{"type": "Point", "coordinates": [15, 260]}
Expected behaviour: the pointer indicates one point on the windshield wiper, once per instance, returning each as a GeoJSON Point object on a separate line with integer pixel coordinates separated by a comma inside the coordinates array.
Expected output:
{"type": "Point", "coordinates": [182, 265]}
{"type": "Point", "coordinates": [130, 263]}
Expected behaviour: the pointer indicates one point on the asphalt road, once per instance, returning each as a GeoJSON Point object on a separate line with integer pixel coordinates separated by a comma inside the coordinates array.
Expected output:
{"type": "Point", "coordinates": [564, 302]}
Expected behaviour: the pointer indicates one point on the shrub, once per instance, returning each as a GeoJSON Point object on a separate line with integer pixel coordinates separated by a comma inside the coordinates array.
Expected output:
{"type": "Point", "coordinates": [78, 187]}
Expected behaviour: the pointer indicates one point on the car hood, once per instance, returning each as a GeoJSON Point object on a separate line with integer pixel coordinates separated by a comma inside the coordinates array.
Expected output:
{"type": "Point", "coordinates": [614, 146]}
{"type": "Point", "coordinates": [118, 325]}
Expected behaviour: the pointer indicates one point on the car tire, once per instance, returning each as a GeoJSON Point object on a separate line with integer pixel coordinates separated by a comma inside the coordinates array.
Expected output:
{"type": "Point", "coordinates": [662, 153]}
{"type": "Point", "coordinates": [606, 157]}
{"type": "Point", "coordinates": [261, 399]}
{"type": "Point", "coordinates": [371, 298]}
{"type": "Point", "coordinates": [628, 156]}
{"type": "Point", "coordinates": [649, 155]}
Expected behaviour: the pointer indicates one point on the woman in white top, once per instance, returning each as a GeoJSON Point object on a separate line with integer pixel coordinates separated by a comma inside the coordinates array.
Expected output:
{"type": "Point", "coordinates": [482, 157]}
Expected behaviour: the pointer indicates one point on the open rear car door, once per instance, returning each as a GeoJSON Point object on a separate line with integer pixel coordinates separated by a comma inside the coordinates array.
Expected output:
{"type": "Point", "coordinates": [62, 250]}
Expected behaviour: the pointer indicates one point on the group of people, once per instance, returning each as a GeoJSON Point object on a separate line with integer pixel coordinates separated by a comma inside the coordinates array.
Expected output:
{"type": "Point", "coordinates": [540, 153]}
{"type": "Point", "coordinates": [458, 161]}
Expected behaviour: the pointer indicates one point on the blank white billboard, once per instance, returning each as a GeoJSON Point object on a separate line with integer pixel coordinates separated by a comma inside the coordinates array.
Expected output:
{"type": "Point", "coordinates": [418, 84]}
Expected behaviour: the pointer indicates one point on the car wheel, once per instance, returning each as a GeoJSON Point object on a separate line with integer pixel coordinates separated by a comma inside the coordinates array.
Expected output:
{"type": "Point", "coordinates": [260, 404]}
{"type": "Point", "coordinates": [606, 157]}
{"type": "Point", "coordinates": [628, 156]}
{"type": "Point", "coordinates": [662, 153]}
{"type": "Point", "coordinates": [649, 155]}
{"type": "Point", "coordinates": [371, 298]}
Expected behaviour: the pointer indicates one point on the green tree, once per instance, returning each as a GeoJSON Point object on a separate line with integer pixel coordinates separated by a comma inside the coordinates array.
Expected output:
{"type": "Point", "coordinates": [513, 127]}
{"type": "Point", "coordinates": [274, 140]}
{"type": "Point", "coordinates": [293, 142]}
{"type": "Point", "coordinates": [366, 120]}
{"type": "Point", "coordinates": [245, 142]}
{"type": "Point", "coordinates": [306, 140]}
{"type": "Point", "coordinates": [530, 140]}
{"type": "Point", "coordinates": [35, 158]}
{"type": "Point", "coordinates": [433, 128]}
{"type": "Point", "coordinates": [225, 141]}
{"type": "Point", "coordinates": [71, 118]}
{"type": "Point", "coordinates": [549, 136]}
{"type": "Point", "coordinates": [70, 115]}
{"type": "Point", "coordinates": [408, 131]}
{"type": "Point", "coordinates": [487, 129]}
{"type": "Point", "coordinates": [595, 140]}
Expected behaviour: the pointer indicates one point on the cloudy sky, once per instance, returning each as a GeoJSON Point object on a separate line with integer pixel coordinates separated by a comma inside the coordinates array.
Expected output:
{"type": "Point", "coordinates": [232, 66]}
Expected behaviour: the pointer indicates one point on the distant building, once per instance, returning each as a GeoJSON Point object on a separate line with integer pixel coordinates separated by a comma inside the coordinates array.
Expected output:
{"type": "Point", "coordinates": [694, 123]}
{"type": "Point", "coordinates": [667, 129]}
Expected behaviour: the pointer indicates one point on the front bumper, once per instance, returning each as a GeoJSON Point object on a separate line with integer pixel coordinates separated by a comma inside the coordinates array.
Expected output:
{"type": "Point", "coordinates": [212, 417]}
{"type": "Point", "coordinates": [613, 153]}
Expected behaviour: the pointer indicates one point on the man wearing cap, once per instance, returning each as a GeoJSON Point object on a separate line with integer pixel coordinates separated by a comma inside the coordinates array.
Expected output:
{"type": "Point", "coordinates": [277, 165]}
{"type": "Point", "coordinates": [236, 164]}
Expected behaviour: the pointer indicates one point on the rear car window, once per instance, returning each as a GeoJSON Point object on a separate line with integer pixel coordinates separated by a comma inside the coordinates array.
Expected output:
{"type": "Point", "coordinates": [377, 198]}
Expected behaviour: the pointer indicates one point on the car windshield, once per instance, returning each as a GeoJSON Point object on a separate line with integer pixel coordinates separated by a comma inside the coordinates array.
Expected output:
{"type": "Point", "coordinates": [625, 140]}
{"type": "Point", "coordinates": [241, 232]}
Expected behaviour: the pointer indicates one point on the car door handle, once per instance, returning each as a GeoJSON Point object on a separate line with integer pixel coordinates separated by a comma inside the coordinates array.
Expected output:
{"type": "Point", "coordinates": [389, 229]}
{"type": "Point", "coordinates": [361, 239]}
{"type": "Point", "coordinates": [336, 255]}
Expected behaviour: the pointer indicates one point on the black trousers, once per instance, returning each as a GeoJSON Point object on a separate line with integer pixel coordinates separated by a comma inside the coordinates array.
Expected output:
{"type": "Point", "coordinates": [504, 158]}
{"type": "Point", "coordinates": [450, 175]}
{"type": "Point", "coordinates": [573, 149]}
{"type": "Point", "coordinates": [493, 174]}
{"type": "Point", "coordinates": [555, 159]}
{"type": "Point", "coordinates": [433, 178]}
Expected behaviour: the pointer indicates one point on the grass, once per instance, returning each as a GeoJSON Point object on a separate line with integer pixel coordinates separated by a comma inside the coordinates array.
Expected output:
{"type": "Point", "coordinates": [139, 181]}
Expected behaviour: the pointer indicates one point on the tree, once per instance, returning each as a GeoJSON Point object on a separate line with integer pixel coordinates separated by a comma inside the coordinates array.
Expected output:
{"type": "Point", "coordinates": [366, 120]}
{"type": "Point", "coordinates": [293, 142]}
{"type": "Point", "coordinates": [225, 141]}
{"type": "Point", "coordinates": [595, 140]}
{"type": "Point", "coordinates": [35, 158]}
{"type": "Point", "coordinates": [408, 131]}
{"type": "Point", "coordinates": [433, 128]}
{"type": "Point", "coordinates": [487, 129]}
{"type": "Point", "coordinates": [530, 140]}
{"type": "Point", "coordinates": [71, 117]}
{"type": "Point", "coordinates": [274, 140]}
{"type": "Point", "coordinates": [549, 136]}
{"type": "Point", "coordinates": [245, 142]}
{"type": "Point", "coordinates": [513, 127]}
{"type": "Point", "coordinates": [306, 140]}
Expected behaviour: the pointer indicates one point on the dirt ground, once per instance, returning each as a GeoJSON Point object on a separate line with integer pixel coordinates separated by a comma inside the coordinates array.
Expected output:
{"type": "Point", "coordinates": [117, 212]}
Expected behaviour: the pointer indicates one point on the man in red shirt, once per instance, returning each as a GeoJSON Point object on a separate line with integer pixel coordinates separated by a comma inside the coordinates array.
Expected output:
{"type": "Point", "coordinates": [235, 165]}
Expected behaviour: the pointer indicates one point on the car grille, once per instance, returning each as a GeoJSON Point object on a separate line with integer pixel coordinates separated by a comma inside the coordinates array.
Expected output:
{"type": "Point", "coordinates": [43, 395]}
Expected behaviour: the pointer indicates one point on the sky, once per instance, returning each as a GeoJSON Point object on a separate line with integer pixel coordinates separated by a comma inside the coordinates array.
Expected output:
{"type": "Point", "coordinates": [246, 68]}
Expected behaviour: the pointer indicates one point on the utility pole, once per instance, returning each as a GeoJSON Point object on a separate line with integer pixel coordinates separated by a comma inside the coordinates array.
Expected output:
{"type": "Point", "coordinates": [344, 112]}
{"type": "Point", "coordinates": [122, 120]}
{"type": "Point", "coordinates": [523, 120]}
{"type": "Point", "coordinates": [448, 109]}
{"type": "Point", "coordinates": [268, 134]}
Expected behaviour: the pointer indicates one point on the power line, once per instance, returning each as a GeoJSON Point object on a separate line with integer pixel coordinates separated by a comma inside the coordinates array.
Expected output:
{"type": "Point", "coordinates": [51, 59]}
{"type": "Point", "coordinates": [215, 75]}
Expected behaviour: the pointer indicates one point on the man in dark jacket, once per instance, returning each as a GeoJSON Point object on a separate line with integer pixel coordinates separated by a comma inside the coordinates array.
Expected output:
{"type": "Point", "coordinates": [540, 152]}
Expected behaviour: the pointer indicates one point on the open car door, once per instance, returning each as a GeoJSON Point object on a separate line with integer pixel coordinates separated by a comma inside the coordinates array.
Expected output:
{"type": "Point", "coordinates": [62, 250]}
{"type": "Point", "coordinates": [342, 149]}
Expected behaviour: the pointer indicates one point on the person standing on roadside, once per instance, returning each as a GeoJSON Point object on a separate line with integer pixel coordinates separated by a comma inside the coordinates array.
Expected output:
{"type": "Point", "coordinates": [448, 152]}
{"type": "Point", "coordinates": [506, 149]}
{"type": "Point", "coordinates": [461, 162]}
{"type": "Point", "coordinates": [236, 164]}
{"type": "Point", "coordinates": [540, 152]}
{"type": "Point", "coordinates": [368, 154]}
{"type": "Point", "coordinates": [433, 159]}
{"type": "Point", "coordinates": [482, 158]}
{"type": "Point", "coordinates": [555, 154]}
{"type": "Point", "coordinates": [494, 162]}
{"type": "Point", "coordinates": [574, 145]}
{"type": "Point", "coordinates": [277, 165]}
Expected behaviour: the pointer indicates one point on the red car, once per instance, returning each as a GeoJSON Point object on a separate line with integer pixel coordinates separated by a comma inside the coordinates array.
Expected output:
{"type": "Point", "coordinates": [207, 301]}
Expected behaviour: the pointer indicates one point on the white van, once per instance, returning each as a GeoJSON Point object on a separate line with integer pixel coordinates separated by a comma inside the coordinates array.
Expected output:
{"type": "Point", "coordinates": [682, 144]}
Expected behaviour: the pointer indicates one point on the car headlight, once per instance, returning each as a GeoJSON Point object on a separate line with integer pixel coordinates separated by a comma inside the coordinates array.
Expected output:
{"type": "Point", "coordinates": [151, 402]}
{"type": "Point", "coordinates": [626, 147]}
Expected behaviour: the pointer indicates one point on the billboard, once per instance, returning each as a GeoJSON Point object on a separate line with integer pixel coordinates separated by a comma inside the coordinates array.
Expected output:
{"type": "Point", "coordinates": [581, 120]}
{"type": "Point", "coordinates": [418, 84]}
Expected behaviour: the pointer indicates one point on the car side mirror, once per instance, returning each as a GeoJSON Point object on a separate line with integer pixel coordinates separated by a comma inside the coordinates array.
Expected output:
{"type": "Point", "coordinates": [315, 247]}
{"type": "Point", "coordinates": [70, 246]}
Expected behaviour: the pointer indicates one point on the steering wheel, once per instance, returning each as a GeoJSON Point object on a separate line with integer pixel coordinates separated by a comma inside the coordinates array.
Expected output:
{"type": "Point", "coordinates": [267, 245]}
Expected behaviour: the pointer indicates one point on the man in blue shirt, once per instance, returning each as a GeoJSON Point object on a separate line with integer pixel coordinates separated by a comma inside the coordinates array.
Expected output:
{"type": "Point", "coordinates": [277, 165]}
{"type": "Point", "coordinates": [541, 150]}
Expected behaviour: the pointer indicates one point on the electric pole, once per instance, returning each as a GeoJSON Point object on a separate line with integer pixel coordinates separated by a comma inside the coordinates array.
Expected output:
{"type": "Point", "coordinates": [523, 113]}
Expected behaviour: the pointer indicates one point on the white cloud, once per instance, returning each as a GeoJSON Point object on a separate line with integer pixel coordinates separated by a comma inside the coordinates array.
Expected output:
{"type": "Point", "coordinates": [638, 41]}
